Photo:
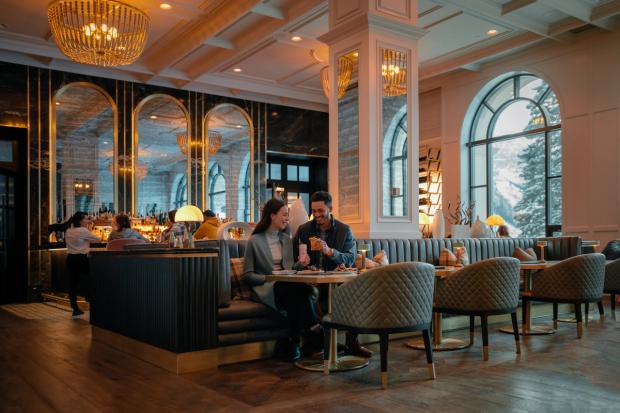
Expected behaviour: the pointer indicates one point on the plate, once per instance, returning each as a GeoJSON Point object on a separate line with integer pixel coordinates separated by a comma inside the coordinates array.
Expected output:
{"type": "Point", "coordinates": [341, 273]}
{"type": "Point", "coordinates": [310, 272]}
{"type": "Point", "coordinates": [284, 272]}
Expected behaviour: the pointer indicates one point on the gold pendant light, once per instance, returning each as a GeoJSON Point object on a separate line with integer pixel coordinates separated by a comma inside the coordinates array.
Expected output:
{"type": "Point", "coordinates": [394, 72]}
{"type": "Point", "coordinates": [215, 141]}
{"type": "Point", "coordinates": [345, 68]}
{"type": "Point", "coordinates": [98, 32]}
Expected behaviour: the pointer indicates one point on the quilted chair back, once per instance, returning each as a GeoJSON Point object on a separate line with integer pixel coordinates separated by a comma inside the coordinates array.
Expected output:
{"type": "Point", "coordinates": [488, 286]}
{"type": "Point", "coordinates": [577, 278]}
{"type": "Point", "coordinates": [612, 276]}
{"type": "Point", "coordinates": [389, 297]}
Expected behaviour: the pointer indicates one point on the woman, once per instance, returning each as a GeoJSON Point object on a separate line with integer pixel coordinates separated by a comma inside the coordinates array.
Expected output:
{"type": "Point", "coordinates": [121, 229]}
{"type": "Point", "coordinates": [271, 249]}
{"type": "Point", "coordinates": [78, 239]}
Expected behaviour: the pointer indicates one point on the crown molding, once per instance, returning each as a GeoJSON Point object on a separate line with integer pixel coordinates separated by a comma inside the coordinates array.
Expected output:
{"type": "Point", "coordinates": [371, 21]}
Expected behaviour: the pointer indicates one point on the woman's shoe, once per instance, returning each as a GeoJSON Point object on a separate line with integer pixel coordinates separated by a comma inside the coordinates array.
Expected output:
{"type": "Point", "coordinates": [294, 353]}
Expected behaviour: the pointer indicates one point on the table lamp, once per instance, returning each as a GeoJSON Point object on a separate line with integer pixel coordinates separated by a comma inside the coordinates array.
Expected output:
{"type": "Point", "coordinates": [495, 221]}
{"type": "Point", "coordinates": [542, 245]}
{"type": "Point", "coordinates": [192, 217]}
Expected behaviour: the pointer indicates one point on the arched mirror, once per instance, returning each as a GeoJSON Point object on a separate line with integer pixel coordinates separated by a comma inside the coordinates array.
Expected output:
{"type": "Point", "coordinates": [82, 151]}
{"type": "Point", "coordinates": [227, 148]}
{"type": "Point", "coordinates": [162, 171]}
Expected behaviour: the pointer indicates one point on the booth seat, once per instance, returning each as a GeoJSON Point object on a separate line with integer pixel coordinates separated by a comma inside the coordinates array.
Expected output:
{"type": "Point", "coordinates": [241, 322]}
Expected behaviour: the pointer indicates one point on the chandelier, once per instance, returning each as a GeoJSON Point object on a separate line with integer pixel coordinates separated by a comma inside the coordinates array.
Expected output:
{"type": "Point", "coordinates": [394, 73]}
{"type": "Point", "coordinates": [98, 32]}
{"type": "Point", "coordinates": [126, 169]}
{"type": "Point", "coordinates": [215, 141]}
{"type": "Point", "coordinates": [345, 67]}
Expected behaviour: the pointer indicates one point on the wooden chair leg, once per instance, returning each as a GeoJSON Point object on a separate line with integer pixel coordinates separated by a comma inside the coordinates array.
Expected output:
{"type": "Point", "coordinates": [471, 330]}
{"type": "Point", "coordinates": [601, 310]}
{"type": "Point", "coordinates": [515, 327]}
{"type": "Point", "coordinates": [587, 315]}
{"type": "Point", "coordinates": [429, 353]}
{"type": "Point", "coordinates": [383, 349]}
{"type": "Point", "coordinates": [555, 316]}
{"type": "Point", "coordinates": [326, 347]}
{"type": "Point", "coordinates": [485, 337]}
{"type": "Point", "coordinates": [523, 314]}
{"type": "Point", "coordinates": [579, 321]}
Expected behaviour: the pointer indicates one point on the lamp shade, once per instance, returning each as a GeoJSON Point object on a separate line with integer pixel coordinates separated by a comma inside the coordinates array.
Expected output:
{"type": "Point", "coordinates": [494, 220]}
{"type": "Point", "coordinates": [189, 213]}
{"type": "Point", "coordinates": [423, 219]}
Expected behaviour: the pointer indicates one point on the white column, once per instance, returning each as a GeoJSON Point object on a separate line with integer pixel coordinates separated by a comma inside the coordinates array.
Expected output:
{"type": "Point", "coordinates": [368, 27]}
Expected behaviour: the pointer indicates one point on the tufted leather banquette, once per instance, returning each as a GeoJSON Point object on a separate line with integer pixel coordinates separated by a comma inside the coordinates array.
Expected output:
{"type": "Point", "coordinates": [245, 322]}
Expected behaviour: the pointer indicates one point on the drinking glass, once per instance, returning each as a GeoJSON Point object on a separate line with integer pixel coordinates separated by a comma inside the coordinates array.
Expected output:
{"type": "Point", "coordinates": [542, 245]}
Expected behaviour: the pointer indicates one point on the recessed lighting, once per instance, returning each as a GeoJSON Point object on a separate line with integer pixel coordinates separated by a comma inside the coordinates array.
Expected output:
{"type": "Point", "coordinates": [238, 126]}
{"type": "Point", "coordinates": [356, 54]}
{"type": "Point", "coordinates": [57, 103]}
{"type": "Point", "coordinates": [153, 117]}
{"type": "Point", "coordinates": [237, 70]}
{"type": "Point", "coordinates": [296, 38]}
{"type": "Point", "coordinates": [105, 142]}
{"type": "Point", "coordinates": [165, 6]}
{"type": "Point", "coordinates": [492, 32]}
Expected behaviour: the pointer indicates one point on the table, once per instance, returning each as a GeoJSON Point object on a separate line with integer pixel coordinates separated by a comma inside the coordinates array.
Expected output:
{"type": "Point", "coordinates": [440, 343]}
{"type": "Point", "coordinates": [332, 279]}
{"type": "Point", "coordinates": [527, 268]}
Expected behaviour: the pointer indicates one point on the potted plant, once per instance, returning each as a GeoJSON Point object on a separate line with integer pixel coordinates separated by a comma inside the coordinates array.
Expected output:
{"type": "Point", "coordinates": [460, 218]}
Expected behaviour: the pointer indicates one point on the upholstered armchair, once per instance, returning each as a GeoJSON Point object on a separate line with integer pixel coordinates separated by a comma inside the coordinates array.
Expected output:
{"type": "Point", "coordinates": [390, 299]}
{"type": "Point", "coordinates": [488, 287]}
{"type": "Point", "coordinates": [612, 282]}
{"type": "Point", "coordinates": [577, 280]}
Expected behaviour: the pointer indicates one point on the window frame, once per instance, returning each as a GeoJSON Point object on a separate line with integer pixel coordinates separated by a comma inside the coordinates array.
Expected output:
{"type": "Point", "coordinates": [392, 159]}
{"type": "Point", "coordinates": [489, 140]}
{"type": "Point", "coordinates": [215, 171]}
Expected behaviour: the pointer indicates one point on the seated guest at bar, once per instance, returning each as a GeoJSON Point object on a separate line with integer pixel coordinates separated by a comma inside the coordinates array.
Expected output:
{"type": "Point", "coordinates": [78, 239]}
{"type": "Point", "coordinates": [121, 229]}
{"type": "Point", "coordinates": [208, 228]}
{"type": "Point", "coordinates": [337, 246]}
{"type": "Point", "coordinates": [176, 228]}
{"type": "Point", "coordinates": [269, 249]}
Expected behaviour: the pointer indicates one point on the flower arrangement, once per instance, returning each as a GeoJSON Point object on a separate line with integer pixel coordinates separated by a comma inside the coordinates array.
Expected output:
{"type": "Point", "coordinates": [462, 213]}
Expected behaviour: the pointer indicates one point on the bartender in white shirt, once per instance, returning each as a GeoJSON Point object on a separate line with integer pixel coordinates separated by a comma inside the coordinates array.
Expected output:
{"type": "Point", "coordinates": [78, 239]}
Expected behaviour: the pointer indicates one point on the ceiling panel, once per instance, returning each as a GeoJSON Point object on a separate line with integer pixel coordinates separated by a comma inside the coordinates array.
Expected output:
{"type": "Point", "coordinates": [276, 61]}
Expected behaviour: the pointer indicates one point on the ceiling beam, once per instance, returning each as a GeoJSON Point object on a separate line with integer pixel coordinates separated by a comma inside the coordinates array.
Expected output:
{"type": "Point", "coordinates": [606, 10]}
{"type": "Point", "coordinates": [269, 11]}
{"type": "Point", "coordinates": [514, 5]}
{"type": "Point", "coordinates": [220, 42]}
{"type": "Point", "coordinates": [208, 24]}
{"type": "Point", "coordinates": [248, 42]}
{"type": "Point", "coordinates": [576, 9]}
{"type": "Point", "coordinates": [493, 12]}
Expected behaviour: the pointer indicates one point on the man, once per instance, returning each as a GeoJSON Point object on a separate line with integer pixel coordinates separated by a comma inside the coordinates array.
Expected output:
{"type": "Point", "coordinates": [208, 228]}
{"type": "Point", "coordinates": [337, 247]}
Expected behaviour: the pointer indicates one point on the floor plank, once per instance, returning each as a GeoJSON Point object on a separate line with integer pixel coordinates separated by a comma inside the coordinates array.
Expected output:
{"type": "Point", "coordinates": [48, 363]}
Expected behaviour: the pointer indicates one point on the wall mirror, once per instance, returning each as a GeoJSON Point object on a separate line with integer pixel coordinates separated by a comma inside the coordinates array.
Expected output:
{"type": "Point", "coordinates": [83, 151]}
{"type": "Point", "coordinates": [396, 188]}
{"type": "Point", "coordinates": [227, 148]}
{"type": "Point", "coordinates": [161, 171]}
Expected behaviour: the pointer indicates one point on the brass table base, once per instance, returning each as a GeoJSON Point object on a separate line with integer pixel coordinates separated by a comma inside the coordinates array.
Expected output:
{"type": "Point", "coordinates": [446, 344]}
{"type": "Point", "coordinates": [344, 363]}
{"type": "Point", "coordinates": [534, 330]}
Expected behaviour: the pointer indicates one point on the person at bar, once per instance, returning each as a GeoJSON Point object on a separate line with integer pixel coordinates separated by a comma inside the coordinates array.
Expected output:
{"type": "Point", "coordinates": [270, 249]}
{"type": "Point", "coordinates": [121, 229]}
{"type": "Point", "coordinates": [208, 228]}
{"type": "Point", "coordinates": [174, 228]}
{"type": "Point", "coordinates": [331, 244]}
{"type": "Point", "coordinates": [78, 239]}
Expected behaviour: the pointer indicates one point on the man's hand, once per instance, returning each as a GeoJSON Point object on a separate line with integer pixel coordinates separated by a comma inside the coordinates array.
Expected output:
{"type": "Point", "coordinates": [326, 250]}
{"type": "Point", "coordinates": [305, 260]}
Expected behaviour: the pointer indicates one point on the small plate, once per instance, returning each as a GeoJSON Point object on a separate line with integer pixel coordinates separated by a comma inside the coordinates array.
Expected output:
{"type": "Point", "coordinates": [284, 272]}
{"type": "Point", "coordinates": [310, 272]}
{"type": "Point", "coordinates": [340, 272]}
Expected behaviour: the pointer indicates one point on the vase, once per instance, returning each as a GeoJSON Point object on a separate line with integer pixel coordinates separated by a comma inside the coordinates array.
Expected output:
{"type": "Point", "coordinates": [438, 228]}
{"type": "Point", "coordinates": [461, 231]}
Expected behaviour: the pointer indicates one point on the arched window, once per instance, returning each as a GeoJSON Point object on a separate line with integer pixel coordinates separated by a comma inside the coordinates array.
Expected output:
{"type": "Point", "coordinates": [180, 196]}
{"type": "Point", "coordinates": [396, 166]}
{"type": "Point", "coordinates": [515, 154]}
{"type": "Point", "coordinates": [217, 190]}
{"type": "Point", "coordinates": [243, 209]}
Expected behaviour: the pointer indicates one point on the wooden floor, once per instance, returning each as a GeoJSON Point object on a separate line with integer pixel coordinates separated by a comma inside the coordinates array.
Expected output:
{"type": "Point", "coordinates": [49, 364]}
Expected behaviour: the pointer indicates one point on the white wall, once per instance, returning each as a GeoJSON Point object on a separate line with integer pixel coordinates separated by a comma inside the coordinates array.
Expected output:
{"type": "Point", "coordinates": [584, 73]}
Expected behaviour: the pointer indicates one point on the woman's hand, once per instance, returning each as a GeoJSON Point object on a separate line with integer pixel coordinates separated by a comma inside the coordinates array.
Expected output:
{"type": "Point", "coordinates": [305, 260]}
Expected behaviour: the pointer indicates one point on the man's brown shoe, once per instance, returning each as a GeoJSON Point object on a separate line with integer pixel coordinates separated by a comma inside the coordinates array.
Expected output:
{"type": "Point", "coordinates": [355, 349]}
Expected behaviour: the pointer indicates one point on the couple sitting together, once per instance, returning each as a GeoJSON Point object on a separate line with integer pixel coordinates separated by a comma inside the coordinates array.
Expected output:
{"type": "Point", "coordinates": [270, 249]}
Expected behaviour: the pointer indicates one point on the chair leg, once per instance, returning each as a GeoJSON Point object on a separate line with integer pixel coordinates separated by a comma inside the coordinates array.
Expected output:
{"type": "Point", "coordinates": [485, 337]}
{"type": "Point", "coordinates": [471, 330]}
{"type": "Point", "coordinates": [515, 327]}
{"type": "Point", "coordinates": [326, 346]}
{"type": "Point", "coordinates": [523, 314]}
{"type": "Point", "coordinates": [383, 349]}
{"type": "Point", "coordinates": [555, 316]}
{"type": "Point", "coordinates": [613, 303]}
{"type": "Point", "coordinates": [601, 310]}
{"type": "Point", "coordinates": [578, 317]}
{"type": "Point", "coordinates": [429, 353]}
{"type": "Point", "coordinates": [587, 315]}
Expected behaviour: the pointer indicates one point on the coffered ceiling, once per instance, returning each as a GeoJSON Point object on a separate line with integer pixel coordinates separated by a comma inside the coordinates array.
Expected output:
{"type": "Point", "coordinates": [198, 44]}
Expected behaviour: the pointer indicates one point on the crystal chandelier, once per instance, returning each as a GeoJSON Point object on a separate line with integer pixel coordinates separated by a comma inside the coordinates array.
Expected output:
{"type": "Point", "coordinates": [98, 32]}
{"type": "Point", "coordinates": [345, 67]}
{"type": "Point", "coordinates": [394, 73]}
{"type": "Point", "coordinates": [125, 169]}
{"type": "Point", "coordinates": [215, 141]}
